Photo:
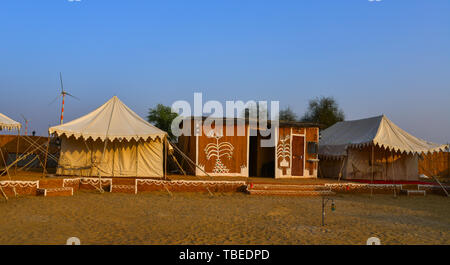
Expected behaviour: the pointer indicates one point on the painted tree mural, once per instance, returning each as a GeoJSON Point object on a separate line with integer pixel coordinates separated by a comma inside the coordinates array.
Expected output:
{"type": "Point", "coordinates": [284, 151]}
{"type": "Point", "coordinates": [219, 149]}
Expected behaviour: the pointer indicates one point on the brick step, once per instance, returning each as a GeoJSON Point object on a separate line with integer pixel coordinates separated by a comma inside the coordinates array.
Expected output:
{"type": "Point", "coordinates": [290, 187]}
{"type": "Point", "coordinates": [50, 192]}
{"type": "Point", "coordinates": [291, 192]}
{"type": "Point", "coordinates": [413, 192]}
{"type": "Point", "coordinates": [123, 189]}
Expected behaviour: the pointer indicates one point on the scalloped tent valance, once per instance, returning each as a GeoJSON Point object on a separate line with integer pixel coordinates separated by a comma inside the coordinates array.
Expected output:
{"type": "Point", "coordinates": [7, 123]}
{"type": "Point", "coordinates": [379, 131]}
{"type": "Point", "coordinates": [113, 121]}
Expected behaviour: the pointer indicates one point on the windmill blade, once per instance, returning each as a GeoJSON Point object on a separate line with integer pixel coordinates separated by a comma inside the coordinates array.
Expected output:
{"type": "Point", "coordinates": [71, 95]}
{"type": "Point", "coordinates": [62, 86]}
{"type": "Point", "coordinates": [53, 101]}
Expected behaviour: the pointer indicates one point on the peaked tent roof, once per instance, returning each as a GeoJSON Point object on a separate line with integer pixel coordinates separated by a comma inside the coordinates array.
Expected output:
{"type": "Point", "coordinates": [377, 130]}
{"type": "Point", "coordinates": [7, 123]}
{"type": "Point", "coordinates": [113, 120]}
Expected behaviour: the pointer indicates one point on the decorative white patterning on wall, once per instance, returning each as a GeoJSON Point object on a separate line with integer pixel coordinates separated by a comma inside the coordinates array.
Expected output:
{"type": "Point", "coordinates": [284, 151]}
{"type": "Point", "coordinates": [218, 149]}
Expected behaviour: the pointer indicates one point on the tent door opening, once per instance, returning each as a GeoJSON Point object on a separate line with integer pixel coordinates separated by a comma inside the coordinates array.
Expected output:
{"type": "Point", "coordinates": [261, 159]}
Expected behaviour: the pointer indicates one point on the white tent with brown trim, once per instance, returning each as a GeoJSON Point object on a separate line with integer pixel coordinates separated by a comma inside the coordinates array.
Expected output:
{"type": "Point", "coordinates": [6, 123]}
{"type": "Point", "coordinates": [111, 141]}
{"type": "Point", "coordinates": [348, 149]}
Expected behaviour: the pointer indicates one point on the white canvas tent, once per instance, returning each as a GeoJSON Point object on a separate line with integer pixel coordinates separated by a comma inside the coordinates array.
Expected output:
{"type": "Point", "coordinates": [372, 148]}
{"type": "Point", "coordinates": [111, 141]}
{"type": "Point", "coordinates": [7, 123]}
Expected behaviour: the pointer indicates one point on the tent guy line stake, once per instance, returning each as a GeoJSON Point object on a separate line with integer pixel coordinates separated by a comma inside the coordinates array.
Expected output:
{"type": "Point", "coordinates": [170, 193]}
{"type": "Point", "coordinates": [440, 184]}
{"type": "Point", "coordinates": [3, 193]}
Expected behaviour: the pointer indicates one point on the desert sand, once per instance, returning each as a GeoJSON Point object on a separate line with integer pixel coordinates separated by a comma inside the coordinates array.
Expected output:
{"type": "Point", "coordinates": [227, 218]}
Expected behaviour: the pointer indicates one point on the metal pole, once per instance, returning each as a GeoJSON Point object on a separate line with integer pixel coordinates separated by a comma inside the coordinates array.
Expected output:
{"type": "Point", "coordinates": [62, 107]}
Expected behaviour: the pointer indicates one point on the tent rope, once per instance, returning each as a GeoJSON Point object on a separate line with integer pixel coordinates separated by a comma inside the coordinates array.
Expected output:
{"type": "Point", "coordinates": [190, 161]}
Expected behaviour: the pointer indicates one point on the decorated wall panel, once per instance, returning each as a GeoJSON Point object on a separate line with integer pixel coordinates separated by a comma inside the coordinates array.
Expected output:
{"type": "Point", "coordinates": [222, 155]}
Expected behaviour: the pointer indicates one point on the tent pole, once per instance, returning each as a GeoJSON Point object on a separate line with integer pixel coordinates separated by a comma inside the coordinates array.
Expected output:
{"type": "Point", "coordinates": [104, 150]}
{"type": "Point", "coordinates": [342, 167]}
{"type": "Point", "coordinates": [17, 150]}
{"type": "Point", "coordinates": [190, 160]}
{"type": "Point", "coordinates": [9, 176]}
{"type": "Point", "coordinates": [371, 182]}
{"type": "Point", "coordinates": [101, 161]}
{"type": "Point", "coordinates": [448, 160]}
{"type": "Point", "coordinates": [178, 164]}
{"type": "Point", "coordinates": [137, 157]}
{"type": "Point", "coordinates": [393, 175]}
{"type": "Point", "coordinates": [21, 158]}
{"type": "Point", "coordinates": [165, 157]}
{"type": "Point", "coordinates": [44, 171]}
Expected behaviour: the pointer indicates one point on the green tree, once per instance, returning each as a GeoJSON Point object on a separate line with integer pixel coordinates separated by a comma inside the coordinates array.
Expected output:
{"type": "Point", "coordinates": [162, 116]}
{"type": "Point", "coordinates": [324, 111]}
{"type": "Point", "coordinates": [287, 115]}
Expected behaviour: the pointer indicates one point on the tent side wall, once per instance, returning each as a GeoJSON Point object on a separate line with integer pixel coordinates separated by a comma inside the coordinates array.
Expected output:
{"type": "Point", "coordinates": [436, 164]}
{"type": "Point", "coordinates": [121, 159]}
{"type": "Point", "coordinates": [387, 165]}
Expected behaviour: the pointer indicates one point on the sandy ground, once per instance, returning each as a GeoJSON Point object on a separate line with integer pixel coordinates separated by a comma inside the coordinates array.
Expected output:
{"type": "Point", "coordinates": [232, 218]}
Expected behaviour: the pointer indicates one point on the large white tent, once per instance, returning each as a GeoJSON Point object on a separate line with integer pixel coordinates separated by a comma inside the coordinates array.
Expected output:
{"type": "Point", "coordinates": [372, 148]}
{"type": "Point", "coordinates": [111, 141]}
{"type": "Point", "coordinates": [7, 123]}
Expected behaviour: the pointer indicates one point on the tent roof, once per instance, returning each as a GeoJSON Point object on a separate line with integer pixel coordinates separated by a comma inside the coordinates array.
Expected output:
{"type": "Point", "coordinates": [7, 123]}
{"type": "Point", "coordinates": [376, 130]}
{"type": "Point", "coordinates": [113, 120]}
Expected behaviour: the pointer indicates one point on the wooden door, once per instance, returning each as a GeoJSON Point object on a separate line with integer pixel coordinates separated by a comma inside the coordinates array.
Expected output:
{"type": "Point", "coordinates": [298, 155]}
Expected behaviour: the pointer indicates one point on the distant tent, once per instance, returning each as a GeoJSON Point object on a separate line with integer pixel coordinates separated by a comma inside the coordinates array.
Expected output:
{"type": "Point", "coordinates": [7, 123]}
{"type": "Point", "coordinates": [112, 141]}
{"type": "Point", "coordinates": [348, 149]}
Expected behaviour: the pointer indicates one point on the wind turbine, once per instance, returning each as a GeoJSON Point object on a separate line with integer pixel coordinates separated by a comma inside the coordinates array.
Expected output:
{"type": "Point", "coordinates": [63, 95]}
{"type": "Point", "coordinates": [26, 123]}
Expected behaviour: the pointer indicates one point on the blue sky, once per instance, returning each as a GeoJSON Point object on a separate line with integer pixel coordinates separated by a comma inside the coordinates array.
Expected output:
{"type": "Point", "coordinates": [390, 57]}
